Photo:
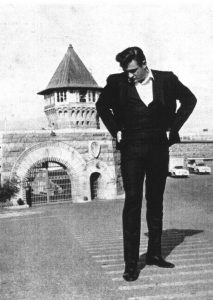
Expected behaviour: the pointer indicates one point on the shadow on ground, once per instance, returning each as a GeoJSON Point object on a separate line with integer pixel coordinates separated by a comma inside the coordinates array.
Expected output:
{"type": "Point", "coordinates": [171, 238]}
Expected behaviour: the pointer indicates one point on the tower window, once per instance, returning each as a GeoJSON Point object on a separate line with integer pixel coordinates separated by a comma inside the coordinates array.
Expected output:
{"type": "Point", "coordinates": [90, 96]}
{"type": "Point", "coordinates": [61, 96]}
{"type": "Point", "coordinates": [93, 96]}
{"type": "Point", "coordinates": [82, 95]}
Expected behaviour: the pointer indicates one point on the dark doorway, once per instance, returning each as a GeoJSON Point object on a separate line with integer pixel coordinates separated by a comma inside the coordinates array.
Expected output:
{"type": "Point", "coordinates": [94, 184]}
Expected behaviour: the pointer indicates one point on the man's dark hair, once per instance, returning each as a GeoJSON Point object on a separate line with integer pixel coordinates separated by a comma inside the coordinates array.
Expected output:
{"type": "Point", "coordinates": [127, 55]}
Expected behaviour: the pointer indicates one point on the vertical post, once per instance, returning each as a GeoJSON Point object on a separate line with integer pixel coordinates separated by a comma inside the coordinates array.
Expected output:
{"type": "Point", "coordinates": [45, 165]}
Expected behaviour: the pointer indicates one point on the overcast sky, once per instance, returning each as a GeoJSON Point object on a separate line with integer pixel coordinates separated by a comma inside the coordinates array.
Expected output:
{"type": "Point", "coordinates": [175, 35]}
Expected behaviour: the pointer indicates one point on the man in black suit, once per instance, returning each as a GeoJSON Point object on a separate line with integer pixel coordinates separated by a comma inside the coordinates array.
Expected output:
{"type": "Point", "coordinates": [139, 108]}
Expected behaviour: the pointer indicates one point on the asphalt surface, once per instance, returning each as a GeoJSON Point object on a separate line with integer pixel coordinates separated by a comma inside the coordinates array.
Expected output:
{"type": "Point", "coordinates": [75, 251]}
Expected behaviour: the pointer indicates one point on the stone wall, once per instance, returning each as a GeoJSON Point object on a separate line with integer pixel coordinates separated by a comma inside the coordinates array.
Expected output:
{"type": "Point", "coordinates": [14, 144]}
{"type": "Point", "coordinates": [20, 150]}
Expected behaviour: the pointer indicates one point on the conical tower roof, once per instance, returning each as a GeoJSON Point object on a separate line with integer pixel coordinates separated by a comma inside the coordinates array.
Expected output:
{"type": "Point", "coordinates": [70, 73]}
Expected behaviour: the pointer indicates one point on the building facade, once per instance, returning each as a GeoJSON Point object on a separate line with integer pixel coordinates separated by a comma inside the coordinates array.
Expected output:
{"type": "Point", "coordinates": [75, 159]}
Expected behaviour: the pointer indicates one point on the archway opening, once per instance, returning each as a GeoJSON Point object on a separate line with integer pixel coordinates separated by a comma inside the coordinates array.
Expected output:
{"type": "Point", "coordinates": [47, 182]}
{"type": "Point", "coordinates": [95, 184]}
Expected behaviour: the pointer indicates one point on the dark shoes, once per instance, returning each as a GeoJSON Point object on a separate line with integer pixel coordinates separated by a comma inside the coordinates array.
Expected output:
{"type": "Point", "coordinates": [131, 272]}
{"type": "Point", "coordinates": [158, 261]}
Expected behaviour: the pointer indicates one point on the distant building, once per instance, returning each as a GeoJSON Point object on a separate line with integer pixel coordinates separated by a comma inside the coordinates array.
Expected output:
{"type": "Point", "coordinates": [71, 95]}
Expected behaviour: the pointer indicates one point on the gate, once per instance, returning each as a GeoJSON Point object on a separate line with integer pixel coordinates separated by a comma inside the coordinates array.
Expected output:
{"type": "Point", "coordinates": [49, 182]}
{"type": "Point", "coordinates": [94, 184]}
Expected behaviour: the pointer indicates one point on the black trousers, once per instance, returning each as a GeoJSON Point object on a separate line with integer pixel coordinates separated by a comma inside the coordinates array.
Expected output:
{"type": "Point", "coordinates": [139, 161]}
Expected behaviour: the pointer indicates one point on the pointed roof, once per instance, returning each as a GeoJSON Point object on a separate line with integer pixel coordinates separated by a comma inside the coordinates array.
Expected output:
{"type": "Point", "coordinates": [70, 73]}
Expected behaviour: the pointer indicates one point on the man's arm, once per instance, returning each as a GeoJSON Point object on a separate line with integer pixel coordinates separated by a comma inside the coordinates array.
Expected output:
{"type": "Point", "coordinates": [187, 103]}
{"type": "Point", "coordinates": [104, 107]}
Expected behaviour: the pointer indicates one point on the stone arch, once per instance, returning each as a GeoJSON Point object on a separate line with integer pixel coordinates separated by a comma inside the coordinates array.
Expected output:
{"type": "Point", "coordinates": [78, 113]}
{"type": "Point", "coordinates": [87, 114]}
{"type": "Point", "coordinates": [107, 185]}
{"type": "Point", "coordinates": [73, 113]}
{"type": "Point", "coordinates": [60, 113]}
{"type": "Point", "coordinates": [58, 152]}
{"type": "Point", "coordinates": [82, 112]}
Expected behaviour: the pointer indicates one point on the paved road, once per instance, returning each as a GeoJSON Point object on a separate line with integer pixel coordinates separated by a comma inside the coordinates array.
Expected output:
{"type": "Point", "coordinates": [74, 251]}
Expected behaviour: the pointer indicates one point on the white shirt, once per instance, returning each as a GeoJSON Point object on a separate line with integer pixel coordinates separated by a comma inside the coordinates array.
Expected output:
{"type": "Point", "coordinates": [144, 89]}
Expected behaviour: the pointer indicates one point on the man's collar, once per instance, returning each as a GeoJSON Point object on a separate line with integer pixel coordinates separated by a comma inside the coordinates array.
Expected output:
{"type": "Point", "coordinates": [150, 74]}
{"type": "Point", "coordinates": [148, 77]}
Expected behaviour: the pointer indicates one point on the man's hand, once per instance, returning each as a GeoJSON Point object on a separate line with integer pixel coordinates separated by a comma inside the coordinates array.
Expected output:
{"type": "Point", "coordinates": [119, 136]}
{"type": "Point", "coordinates": [173, 138]}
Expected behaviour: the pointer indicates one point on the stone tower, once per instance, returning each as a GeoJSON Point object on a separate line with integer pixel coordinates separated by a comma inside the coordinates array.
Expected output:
{"type": "Point", "coordinates": [71, 94]}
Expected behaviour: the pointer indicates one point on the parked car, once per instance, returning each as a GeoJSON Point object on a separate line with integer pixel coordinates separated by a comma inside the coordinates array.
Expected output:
{"type": "Point", "coordinates": [201, 168]}
{"type": "Point", "coordinates": [179, 171]}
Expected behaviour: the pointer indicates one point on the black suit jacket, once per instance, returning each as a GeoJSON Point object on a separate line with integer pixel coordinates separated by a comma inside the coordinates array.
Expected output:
{"type": "Point", "coordinates": [166, 88]}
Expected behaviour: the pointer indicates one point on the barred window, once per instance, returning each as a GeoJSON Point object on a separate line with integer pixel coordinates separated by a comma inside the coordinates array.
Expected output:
{"type": "Point", "coordinates": [61, 96]}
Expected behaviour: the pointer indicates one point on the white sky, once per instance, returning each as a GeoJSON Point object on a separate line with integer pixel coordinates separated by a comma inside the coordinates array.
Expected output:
{"type": "Point", "coordinates": [175, 35]}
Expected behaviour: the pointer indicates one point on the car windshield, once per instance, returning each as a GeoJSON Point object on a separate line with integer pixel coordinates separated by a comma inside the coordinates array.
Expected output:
{"type": "Point", "coordinates": [179, 167]}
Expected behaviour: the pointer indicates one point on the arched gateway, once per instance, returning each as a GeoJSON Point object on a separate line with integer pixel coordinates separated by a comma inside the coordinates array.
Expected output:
{"type": "Point", "coordinates": [48, 181]}
{"type": "Point", "coordinates": [53, 170]}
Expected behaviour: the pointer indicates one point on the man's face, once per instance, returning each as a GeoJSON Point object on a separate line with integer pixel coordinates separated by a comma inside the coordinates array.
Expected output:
{"type": "Point", "coordinates": [135, 72]}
